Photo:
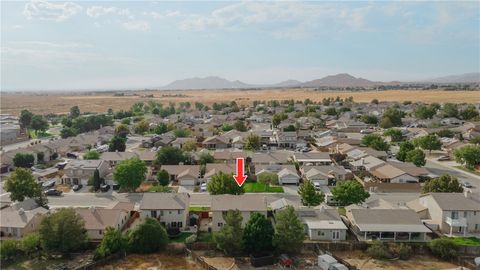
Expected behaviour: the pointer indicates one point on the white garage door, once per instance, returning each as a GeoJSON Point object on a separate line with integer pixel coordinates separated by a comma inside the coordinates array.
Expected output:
{"type": "Point", "coordinates": [288, 180]}
{"type": "Point", "coordinates": [187, 182]}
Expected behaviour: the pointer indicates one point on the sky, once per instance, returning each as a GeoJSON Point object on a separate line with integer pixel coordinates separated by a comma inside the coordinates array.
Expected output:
{"type": "Point", "coordinates": [56, 45]}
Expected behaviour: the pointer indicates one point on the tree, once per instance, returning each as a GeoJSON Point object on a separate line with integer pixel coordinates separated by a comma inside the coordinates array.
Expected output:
{"type": "Point", "coordinates": [444, 183]}
{"type": "Point", "coordinates": [141, 127]}
{"type": "Point", "coordinates": [30, 243]}
{"type": "Point", "coordinates": [394, 134]}
{"type": "Point", "coordinates": [229, 238]}
{"type": "Point", "coordinates": [21, 184]}
{"type": "Point", "coordinates": [469, 113]}
{"type": "Point", "coordinates": [181, 132]}
{"type": "Point", "coordinates": [267, 178]}
{"type": "Point", "coordinates": [74, 112]}
{"type": "Point", "coordinates": [25, 118]}
{"type": "Point", "coordinates": [444, 248]}
{"type": "Point", "coordinates": [161, 128]}
{"type": "Point", "coordinates": [289, 128]}
{"type": "Point", "coordinates": [349, 192]}
{"type": "Point", "coordinates": [67, 132]}
{"type": "Point", "coordinates": [97, 181]}
{"type": "Point", "coordinates": [405, 147]}
{"type": "Point", "coordinates": [429, 142]}
{"type": "Point", "coordinates": [91, 154]}
{"type": "Point", "coordinates": [376, 142]}
{"type": "Point", "coordinates": [21, 160]}
{"type": "Point", "coordinates": [222, 183]}
{"type": "Point", "coordinates": [63, 232]}
{"type": "Point", "coordinates": [148, 237]}
{"type": "Point", "coordinates": [276, 119]}
{"type": "Point", "coordinates": [163, 178]}
{"type": "Point", "coordinates": [331, 111]}
{"type": "Point", "coordinates": [450, 110]}
{"type": "Point", "coordinates": [38, 123]}
{"type": "Point", "coordinates": [445, 133]}
{"type": "Point", "coordinates": [205, 158]}
{"type": "Point", "coordinates": [258, 235]}
{"type": "Point", "coordinates": [122, 130]}
{"type": "Point", "coordinates": [252, 142]}
{"type": "Point", "coordinates": [169, 155]}
{"type": "Point", "coordinates": [117, 143]}
{"type": "Point", "coordinates": [386, 123]}
{"type": "Point", "coordinates": [189, 146]}
{"type": "Point", "coordinates": [374, 101]}
{"type": "Point", "coordinates": [289, 232]}
{"type": "Point", "coordinates": [395, 116]}
{"type": "Point", "coordinates": [308, 194]}
{"type": "Point", "coordinates": [425, 112]}
{"type": "Point", "coordinates": [9, 249]}
{"type": "Point", "coordinates": [226, 127]}
{"type": "Point", "coordinates": [113, 242]}
{"type": "Point", "coordinates": [417, 157]}
{"type": "Point", "coordinates": [130, 173]}
{"type": "Point", "coordinates": [369, 119]}
{"type": "Point", "coordinates": [469, 155]}
{"type": "Point", "coordinates": [475, 140]}
{"type": "Point", "coordinates": [240, 126]}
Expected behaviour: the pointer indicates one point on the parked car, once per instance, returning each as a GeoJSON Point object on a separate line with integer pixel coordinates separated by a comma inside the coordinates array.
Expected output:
{"type": "Point", "coordinates": [77, 187]}
{"type": "Point", "coordinates": [104, 188]}
{"type": "Point", "coordinates": [444, 158]}
{"type": "Point", "coordinates": [467, 184]}
{"type": "Point", "coordinates": [53, 192]}
{"type": "Point", "coordinates": [61, 165]}
{"type": "Point", "coordinates": [317, 185]}
{"type": "Point", "coordinates": [284, 260]}
{"type": "Point", "coordinates": [115, 186]}
{"type": "Point", "coordinates": [203, 187]}
{"type": "Point", "coordinates": [48, 184]}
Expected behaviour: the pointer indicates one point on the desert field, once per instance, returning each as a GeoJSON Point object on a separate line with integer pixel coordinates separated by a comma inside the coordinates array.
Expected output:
{"type": "Point", "coordinates": [61, 102]}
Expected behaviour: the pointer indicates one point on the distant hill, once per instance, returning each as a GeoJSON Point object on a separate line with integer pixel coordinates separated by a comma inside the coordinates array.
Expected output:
{"type": "Point", "coordinates": [211, 82]}
{"type": "Point", "coordinates": [461, 78]}
{"type": "Point", "coordinates": [340, 80]}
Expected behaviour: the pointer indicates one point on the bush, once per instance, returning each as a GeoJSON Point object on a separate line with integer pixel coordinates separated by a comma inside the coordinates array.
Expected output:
{"type": "Point", "coordinates": [8, 249]}
{"type": "Point", "coordinates": [379, 251]}
{"type": "Point", "coordinates": [191, 239]}
{"type": "Point", "coordinates": [148, 237]}
{"type": "Point", "coordinates": [404, 251]}
{"type": "Point", "coordinates": [444, 248]}
{"type": "Point", "coordinates": [30, 243]}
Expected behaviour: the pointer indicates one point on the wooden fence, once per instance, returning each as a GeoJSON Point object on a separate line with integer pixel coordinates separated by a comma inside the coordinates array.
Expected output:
{"type": "Point", "coordinates": [199, 260]}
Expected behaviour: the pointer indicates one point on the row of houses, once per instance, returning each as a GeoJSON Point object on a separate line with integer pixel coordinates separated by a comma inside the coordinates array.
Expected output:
{"type": "Point", "coordinates": [447, 213]}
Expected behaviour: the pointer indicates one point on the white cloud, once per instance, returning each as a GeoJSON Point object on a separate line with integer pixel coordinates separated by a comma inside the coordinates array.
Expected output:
{"type": "Point", "coordinates": [50, 11]}
{"type": "Point", "coordinates": [136, 25]}
{"type": "Point", "coordinates": [97, 11]}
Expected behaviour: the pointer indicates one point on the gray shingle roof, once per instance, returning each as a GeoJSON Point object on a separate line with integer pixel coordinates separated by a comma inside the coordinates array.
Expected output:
{"type": "Point", "coordinates": [167, 201]}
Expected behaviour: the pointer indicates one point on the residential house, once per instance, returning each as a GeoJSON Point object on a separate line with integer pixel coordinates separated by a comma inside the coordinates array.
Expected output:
{"type": "Point", "coordinates": [178, 142]}
{"type": "Point", "coordinates": [288, 176]}
{"type": "Point", "coordinates": [275, 157]}
{"type": "Point", "coordinates": [170, 209]}
{"type": "Point", "coordinates": [386, 225]}
{"type": "Point", "coordinates": [97, 220]}
{"type": "Point", "coordinates": [286, 139]}
{"type": "Point", "coordinates": [247, 204]}
{"type": "Point", "coordinates": [312, 158]}
{"type": "Point", "coordinates": [213, 168]}
{"type": "Point", "coordinates": [390, 174]}
{"type": "Point", "coordinates": [325, 175]}
{"type": "Point", "coordinates": [228, 155]}
{"type": "Point", "coordinates": [80, 171]}
{"type": "Point", "coordinates": [216, 142]}
{"type": "Point", "coordinates": [322, 224]}
{"type": "Point", "coordinates": [20, 219]}
{"type": "Point", "coordinates": [365, 163]}
{"type": "Point", "coordinates": [185, 175]}
{"type": "Point", "coordinates": [449, 213]}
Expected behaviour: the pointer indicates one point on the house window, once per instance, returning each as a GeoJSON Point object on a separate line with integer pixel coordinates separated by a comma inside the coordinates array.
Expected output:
{"type": "Point", "coordinates": [179, 212]}
{"type": "Point", "coordinates": [320, 233]}
{"type": "Point", "coordinates": [220, 224]}
{"type": "Point", "coordinates": [173, 224]}
{"type": "Point", "coordinates": [476, 226]}
{"type": "Point", "coordinates": [180, 224]}
{"type": "Point", "coordinates": [100, 232]}
{"type": "Point", "coordinates": [454, 215]}
{"type": "Point", "coordinates": [465, 214]}
{"type": "Point", "coordinates": [169, 212]}
{"type": "Point", "coordinates": [153, 213]}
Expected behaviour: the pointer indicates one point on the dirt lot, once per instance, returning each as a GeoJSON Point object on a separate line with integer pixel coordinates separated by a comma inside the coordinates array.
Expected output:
{"type": "Point", "coordinates": [152, 262]}
{"type": "Point", "coordinates": [417, 262]}
{"type": "Point", "coordinates": [99, 102]}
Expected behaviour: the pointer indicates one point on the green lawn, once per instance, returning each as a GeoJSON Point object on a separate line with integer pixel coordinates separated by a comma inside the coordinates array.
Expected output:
{"type": "Point", "coordinates": [466, 241]}
{"type": "Point", "coordinates": [467, 170]}
{"type": "Point", "coordinates": [259, 187]}
{"type": "Point", "coordinates": [181, 238]}
{"type": "Point", "coordinates": [205, 237]}
{"type": "Point", "coordinates": [198, 208]}
{"type": "Point", "coordinates": [342, 211]}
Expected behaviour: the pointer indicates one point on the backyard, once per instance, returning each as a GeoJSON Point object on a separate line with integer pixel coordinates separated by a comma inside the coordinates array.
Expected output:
{"type": "Point", "coordinates": [466, 241]}
{"type": "Point", "coordinates": [260, 187]}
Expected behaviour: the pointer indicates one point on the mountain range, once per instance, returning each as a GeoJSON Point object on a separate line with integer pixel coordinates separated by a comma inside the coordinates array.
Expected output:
{"type": "Point", "coordinates": [338, 80]}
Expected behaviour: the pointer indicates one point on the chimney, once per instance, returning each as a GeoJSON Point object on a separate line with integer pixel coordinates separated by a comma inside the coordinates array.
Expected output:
{"type": "Point", "coordinates": [21, 212]}
{"type": "Point", "coordinates": [467, 193]}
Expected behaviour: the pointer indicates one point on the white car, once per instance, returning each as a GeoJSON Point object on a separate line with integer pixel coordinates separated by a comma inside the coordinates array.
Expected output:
{"type": "Point", "coordinates": [317, 185]}
{"type": "Point", "coordinates": [203, 187]}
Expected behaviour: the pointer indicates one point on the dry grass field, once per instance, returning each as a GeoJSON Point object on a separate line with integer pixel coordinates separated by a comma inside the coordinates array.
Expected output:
{"type": "Point", "coordinates": [100, 102]}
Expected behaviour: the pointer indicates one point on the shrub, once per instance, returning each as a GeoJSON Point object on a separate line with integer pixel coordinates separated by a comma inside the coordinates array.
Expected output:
{"type": "Point", "coordinates": [379, 251]}
{"type": "Point", "coordinates": [8, 249]}
{"type": "Point", "coordinates": [191, 239]}
{"type": "Point", "coordinates": [30, 243]}
{"type": "Point", "coordinates": [404, 251]}
{"type": "Point", "coordinates": [444, 248]}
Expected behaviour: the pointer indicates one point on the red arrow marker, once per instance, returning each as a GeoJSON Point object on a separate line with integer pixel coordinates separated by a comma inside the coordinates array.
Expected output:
{"type": "Point", "coordinates": [240, 177]}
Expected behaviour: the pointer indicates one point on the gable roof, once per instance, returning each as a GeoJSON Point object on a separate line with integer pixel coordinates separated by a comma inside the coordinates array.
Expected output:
{"type": "Point", "coordinates": [388, 220]}
{"type": "Point", "coordinates": [98, 218]}
{"type": "Point", "coordinates": [167, 201]}
{"type": "Point", "coordinates": [240, 202]}
{"type": "Point", "coordinates": [454, 201]}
